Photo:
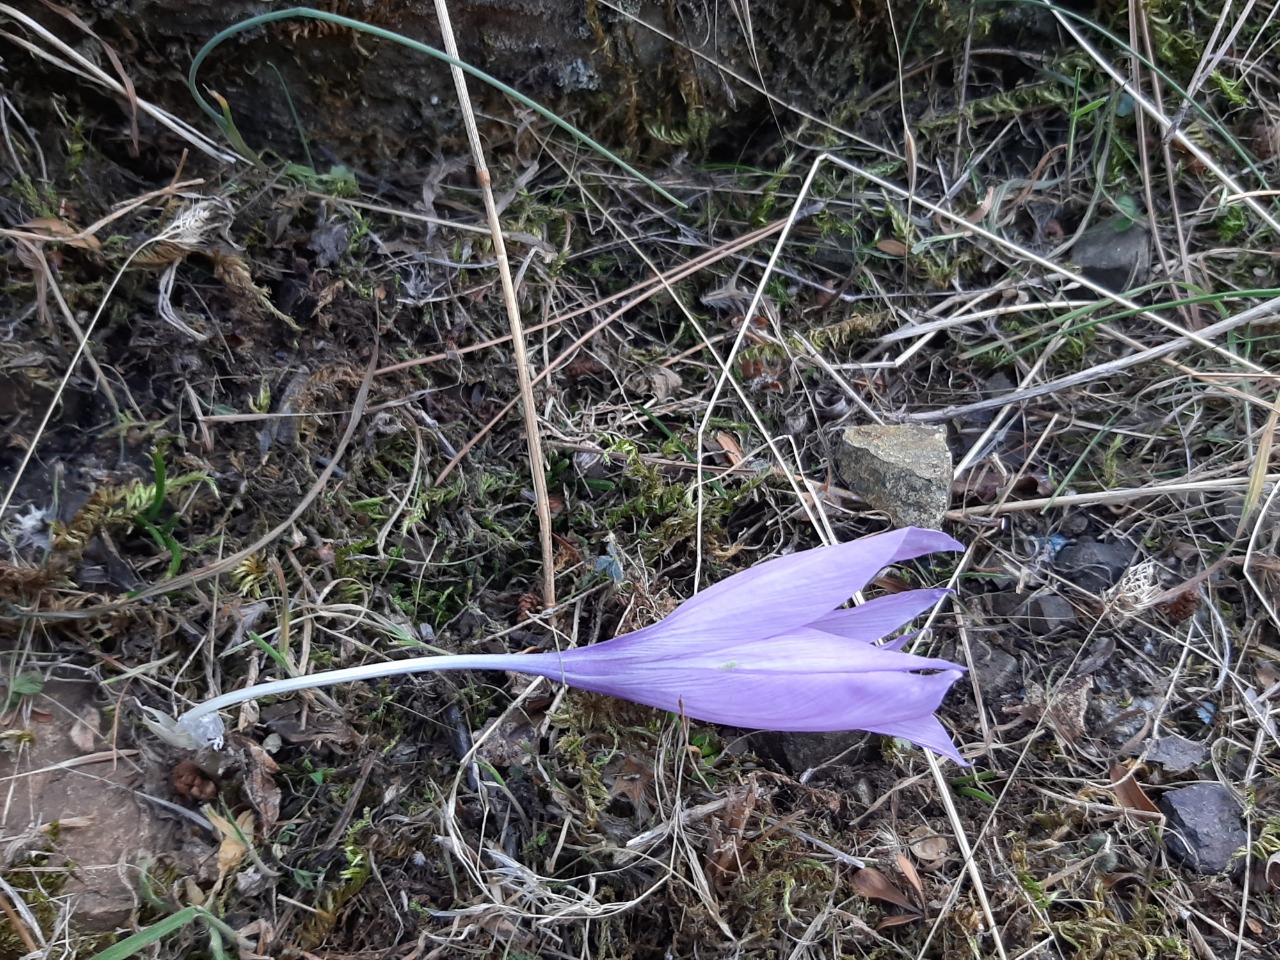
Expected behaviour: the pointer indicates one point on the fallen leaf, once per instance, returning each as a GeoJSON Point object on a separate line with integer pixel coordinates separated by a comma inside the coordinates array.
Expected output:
{"type": "Point", "coordinates": [909, 871]}
{"type": "Point", "coordinates": [84, 732]}
{"type": "Point", "coordinates": [1062, 709]}
{"type": "Point", "coordinates": [874, 885]}
{"type": "Point", "coordinates": [897, 920]}
{"type": "Point", "coordinates": [928, 845]}
{"type": "Point", "coordinates": [61, 231]}
{"type": "Point", "coordinates": [195, 896]}
{"type": "Point", "coordinates": [894, 248]}
{"type": "Point", "coordinates": [236, 838]}
{"type": "Point", "coordinates": [730, 446]}
{"type": "Point", "coordinates": [260, 786]}
{"type": "Point", "coordinates": [663, 382]}
{"type": "Point", "coordinates": [1129, 793]}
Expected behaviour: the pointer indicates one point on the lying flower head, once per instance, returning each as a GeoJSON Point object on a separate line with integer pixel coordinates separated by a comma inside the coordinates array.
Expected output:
{"type": "Point", "coordinates": [766, 648]}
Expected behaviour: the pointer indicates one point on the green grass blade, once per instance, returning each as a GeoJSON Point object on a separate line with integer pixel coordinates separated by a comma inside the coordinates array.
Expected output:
{"type": "Point", "coordinates": [136, 943]}
{"type": "Point", "coordinates": [223, 117]}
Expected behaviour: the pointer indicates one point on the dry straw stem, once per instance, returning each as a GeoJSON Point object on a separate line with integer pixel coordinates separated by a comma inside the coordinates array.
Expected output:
{"type": "Point", "coordinates": [793, 475]}
{"type": "Point", "coordinates": [1183, 337]}
{"type": "Point", "coordinates": [67, 58]}
{"type": "Point", "coordinates": [1166, 124]}
{"type": "Point", "coordinates": [1256, 314]}
{"type": "Point", "coordinates": [1110, 497]}
{"type": "Point", "coordinates": [537, 463]}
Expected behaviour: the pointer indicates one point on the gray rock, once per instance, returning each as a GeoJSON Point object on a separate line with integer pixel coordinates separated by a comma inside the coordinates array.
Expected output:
{"type": "Point", "coordinates": [1046, 612]}
{"type": "Point", "coordinates": [1039, 613]}
{"type": "Point", "coordinates": [997, 671]}
{"type": "Point", "coordinates": [903, 470]}
{"type": "Point", "coordinates": [1205, 829]}
{"type": "Point", "coordinates": [799, 752]}
{"type": "Point", "coordinates": [1094, 566]}
{"type": "Point", "coordinates": [1177, 754]}
{"type": "Point", "coordinates": [1115, 253]}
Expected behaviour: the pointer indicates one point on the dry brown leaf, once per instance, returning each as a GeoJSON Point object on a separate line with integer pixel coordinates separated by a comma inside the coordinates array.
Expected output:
{"type": "Point", "coordinates": [1063, 710]}
{"type": "Point", "coordinates": [260, 786]}
{"type": "Point", "coordinates": [663, 382]}
{"type": "Point", "coordinates": [897, 920]}
{"type": "Point", "coordinates": [874, 885]}
{"type": "Point", "coordinates": [84, 732]}
{"type": "Point", "coordinates": [61, 231]}
{"type": "Point", "coordinates": [894, 248]}
{"type": "Point", "coordinates": [730, 446]}
{"type": "Point", "coordinates": [1129, 793]}
{"type": "Point", "coordinates": [912, 877]}
{"type": "Point", "coordinates": [975, 216]}
{"type": "Point", "coordinates": [195, 896]}
{"type": "Point", "coordinates": [236, 838]}
{"type": "Point", "coordinates": [928, 845]}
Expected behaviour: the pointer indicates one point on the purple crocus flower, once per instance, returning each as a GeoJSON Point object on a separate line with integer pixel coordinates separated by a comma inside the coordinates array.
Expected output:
{"type": "Point", "coordinates": [766, 649]}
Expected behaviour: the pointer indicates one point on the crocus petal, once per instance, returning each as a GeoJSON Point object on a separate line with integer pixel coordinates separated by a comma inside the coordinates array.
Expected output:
{"type": "Point", "coordinates": [888, 700]}
{"type": "Point", "coordinates": [804, 681]}
{"type": "Point", "coordinates": [784, 593]}
{"type": "Point", "coordinates": [925, 732]}
{"type": "Point", "coordinates": [803, 652]}
{"type": "Point", "coordinates": [877, 618]}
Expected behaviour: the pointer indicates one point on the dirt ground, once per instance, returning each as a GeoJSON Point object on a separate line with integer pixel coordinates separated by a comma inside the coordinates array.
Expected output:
{"type": "Point", "coordinates": [261, 417]}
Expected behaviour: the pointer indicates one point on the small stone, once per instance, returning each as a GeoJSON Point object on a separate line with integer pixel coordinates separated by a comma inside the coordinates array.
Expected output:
{"type": "Point", "coordinates": [1046, 612]}
{"type": "Point", "coordinates": [1177, 754]}
{"type": "Point", "coordinates": [996, 671]}
{"type": "Point", "coordinates": [903, 470]}
{"type": "Point", "coordinates": [1116, 253]}
{"type": "Point", "coordinates": [801, 752]}
{"type": "Point", "coordinates": [1093, 566]}
{"type": "Point", "coordinates": [1040, 613]}
{"type": "Point", "coordinates": [105, 831]}
{"type": "Point", "coordinates": [1205, 829]}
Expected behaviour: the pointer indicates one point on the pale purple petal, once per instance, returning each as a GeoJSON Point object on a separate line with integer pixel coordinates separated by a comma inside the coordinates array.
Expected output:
{"type": "Point", "coordinates": [851, 701]}
{"type": "Point", "coordinates": [803, 652]}
{"type": "Point", "coordinates": [925, 732]}
{"type": "Point", "coordinates": [779, 595]}
{"type": "Point", "coordinates": [806, 681]}
{"type": "Point", "coordinates": [877, 618]}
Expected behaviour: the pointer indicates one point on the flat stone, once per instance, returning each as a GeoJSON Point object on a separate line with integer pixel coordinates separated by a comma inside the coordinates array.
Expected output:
{"type": "Point", "coordinates": [68, 774]}
{"type": "Point", "coordinates": [799, 752]}
{"type": "Point", "coordinates": [903, 470]}
{"type": "Point", "coordinates": [1039, 613]}
{"type": "Point", "coordinates": [1094, 566]}
{"type": "Point", "coordinates": [1115, 253]}
{"type": "Point", "coordinates": [1046, 612]}
{"type": "Point", "coordinates": [998, 672]}
{"type": "Point", "coordinates": [1177, 754]}
{"type": "Point", "coordinates": [1205, 829]}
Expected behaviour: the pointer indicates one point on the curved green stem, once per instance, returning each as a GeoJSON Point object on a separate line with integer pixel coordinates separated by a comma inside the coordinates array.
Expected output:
{"type": "Point", "coordinates": [223, 117]}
